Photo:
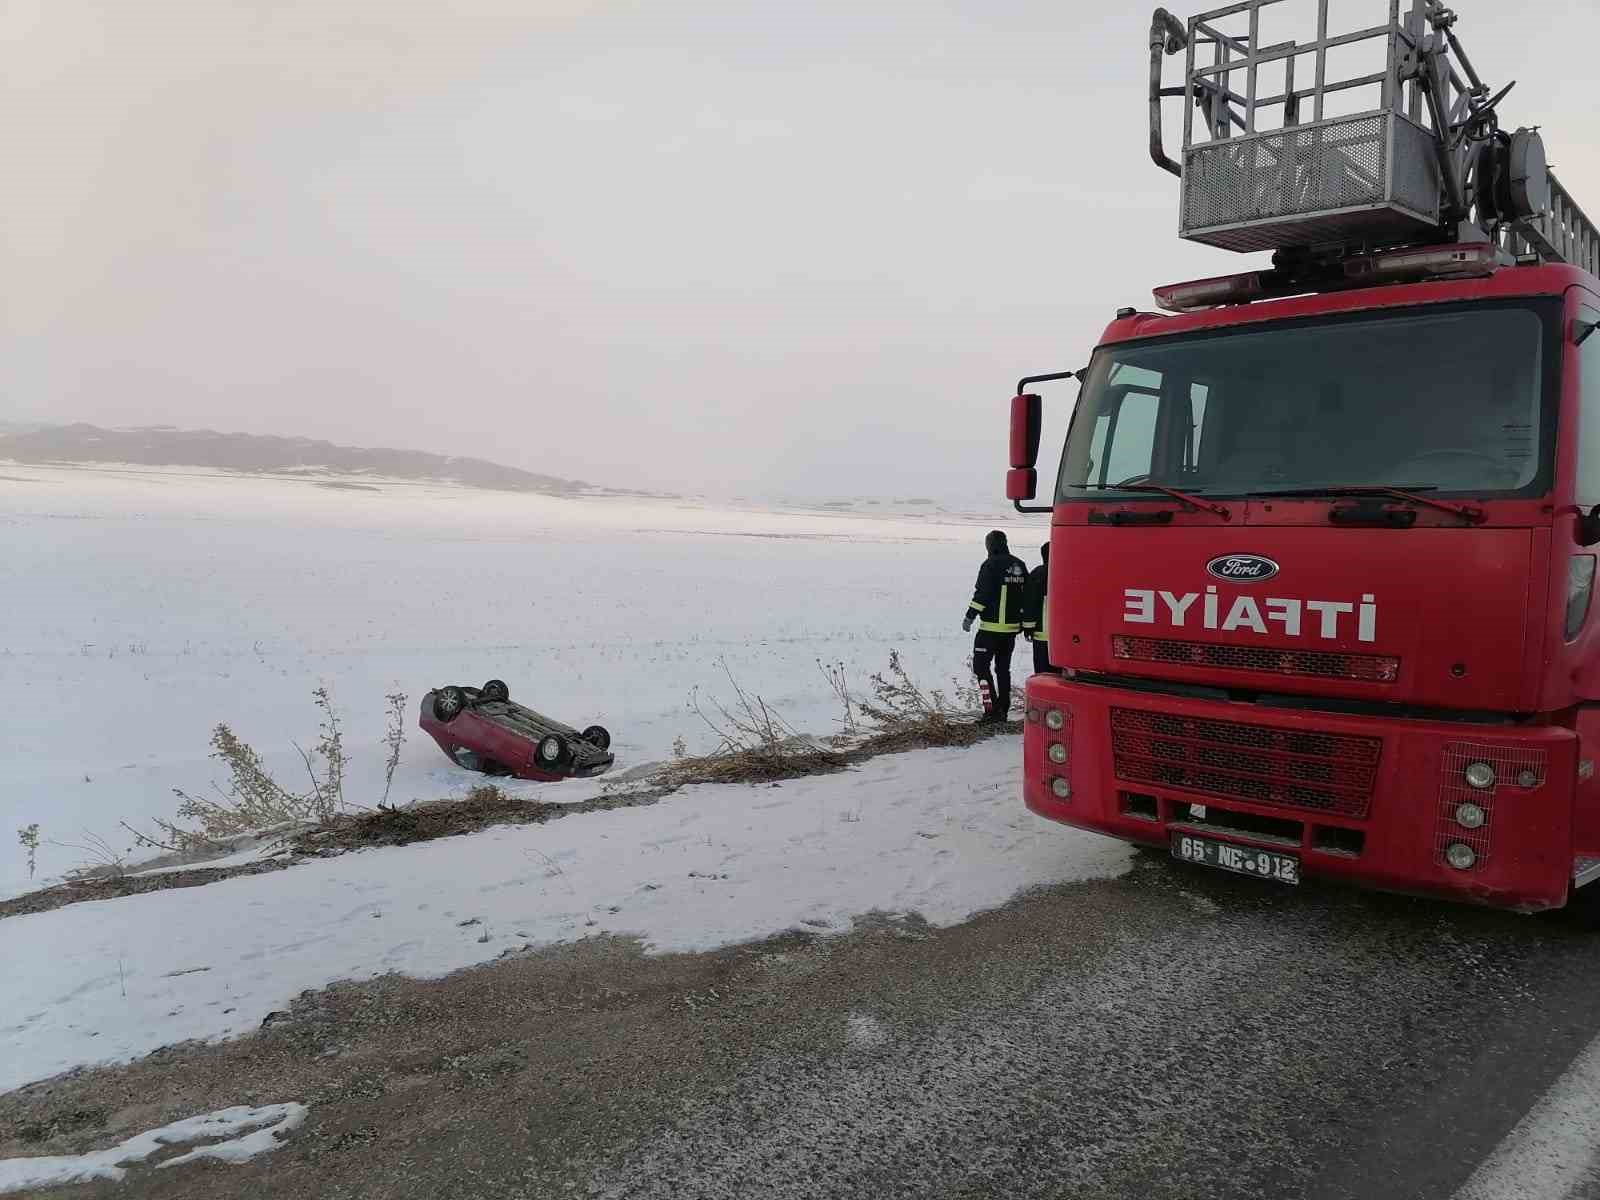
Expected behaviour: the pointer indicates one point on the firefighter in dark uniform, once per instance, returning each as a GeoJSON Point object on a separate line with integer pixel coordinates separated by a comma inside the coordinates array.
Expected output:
{"type": "Point", "coordinates": [1036, 614]}
{"type": "Point", "coordinates": [997, 607]}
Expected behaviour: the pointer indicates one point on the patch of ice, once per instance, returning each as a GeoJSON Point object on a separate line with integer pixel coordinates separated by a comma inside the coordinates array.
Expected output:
{"type": "Point", "coordinates": [256, 1131]}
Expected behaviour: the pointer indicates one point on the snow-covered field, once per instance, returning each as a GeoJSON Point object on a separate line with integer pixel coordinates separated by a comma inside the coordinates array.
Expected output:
{"type": "Point", "coordinates": [145, 607]}
{"type": "Point", "coordinates": [141, 607]}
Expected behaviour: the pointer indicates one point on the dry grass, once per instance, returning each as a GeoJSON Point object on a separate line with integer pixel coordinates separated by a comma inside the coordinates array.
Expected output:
{"type": "Point", "coordinates": [254, 802]}
{"type": "Point", "coordinates": [387, 825]}
{"type": "Point", "coordinates": [754, 744]}
{"type": "Point", "coordinates": [901, 715]}
{"type": "Point", "coordinates": [111, 887]}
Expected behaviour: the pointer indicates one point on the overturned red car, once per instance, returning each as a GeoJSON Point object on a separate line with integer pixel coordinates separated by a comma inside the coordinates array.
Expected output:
{"type": "Point", "coordinates": [482, 730]}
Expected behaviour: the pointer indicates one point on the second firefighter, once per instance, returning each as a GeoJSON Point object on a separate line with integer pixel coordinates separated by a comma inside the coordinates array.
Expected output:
{"type": "Point", "coordinates": [1036, 614]}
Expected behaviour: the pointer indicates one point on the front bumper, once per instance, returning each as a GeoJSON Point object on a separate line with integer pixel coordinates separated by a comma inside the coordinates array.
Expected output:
{"type": "Point", "coordinates": [1366, 799]}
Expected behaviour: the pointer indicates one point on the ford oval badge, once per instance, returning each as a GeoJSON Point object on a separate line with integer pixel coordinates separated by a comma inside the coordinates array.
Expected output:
{"type": "Point", "coordinates": [1242, 568]}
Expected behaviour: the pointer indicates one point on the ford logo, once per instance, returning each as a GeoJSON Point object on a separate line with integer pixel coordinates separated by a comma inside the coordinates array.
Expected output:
{"type": "Point", "coordinates": [1242, 568]}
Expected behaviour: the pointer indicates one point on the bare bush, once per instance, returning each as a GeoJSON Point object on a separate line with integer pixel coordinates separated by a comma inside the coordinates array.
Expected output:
{"type": "Point", "coordinates": [754, 743]}
{"type": "Point", "coordinates": [394, 738]}
{"type": "Point", "coordinates": [99, 859]}
{"type": "Point", "coordinates": [253, 801]}
{"type": "Point", "coordinates": [28, 835]}
{"type": "Point", "coordinates": [330, 748]}
{"type": "Point", "coordinates": [839, 683]}
{"type": "Point", "coordinates": [902, 715]}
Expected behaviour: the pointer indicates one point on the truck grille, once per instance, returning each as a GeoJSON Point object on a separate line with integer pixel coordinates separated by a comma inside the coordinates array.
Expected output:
{"type": "Point", "coordinates": [1326, 772]}
{"type": "Point", "coordinates": [1317, 664]}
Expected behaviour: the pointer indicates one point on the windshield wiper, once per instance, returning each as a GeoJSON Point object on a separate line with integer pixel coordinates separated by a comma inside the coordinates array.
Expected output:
{"type": "Point", "coordinates": [1466, 512]}
{"type": "Point", "coordinates": [1188, 499]}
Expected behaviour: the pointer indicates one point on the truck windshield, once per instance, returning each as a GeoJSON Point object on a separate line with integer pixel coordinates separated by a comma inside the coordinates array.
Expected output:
{"type": "Point", "coordinates": [1443, 399]}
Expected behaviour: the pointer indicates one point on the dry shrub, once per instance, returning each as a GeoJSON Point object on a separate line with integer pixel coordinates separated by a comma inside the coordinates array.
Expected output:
{"type": "Point", "coordinates": [98, 858]}
{"type": "Point", "coordinates": [839, 684]}
{"type": "Point", "coordinates": [28, 835]}
{"type": "Point", "coordinates": [902, 715]}
{"type": "Point", "coordinates": [754, 744]}
{"type": "Point", "coordinates": [394, 738]}
{"type": "Point", "coordinates": [253, 801]}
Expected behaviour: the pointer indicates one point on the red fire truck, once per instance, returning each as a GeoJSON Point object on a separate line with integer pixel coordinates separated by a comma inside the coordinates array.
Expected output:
{"type": "Point", "coordinates": [1324, 533]}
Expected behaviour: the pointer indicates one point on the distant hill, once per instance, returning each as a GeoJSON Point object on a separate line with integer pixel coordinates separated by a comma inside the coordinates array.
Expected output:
{"type": "Point", "coordinates": [164, 446]}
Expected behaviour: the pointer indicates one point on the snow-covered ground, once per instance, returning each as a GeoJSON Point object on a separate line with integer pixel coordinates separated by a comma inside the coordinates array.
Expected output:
{"type": "Point", "coordinates": [941, 833]}
{"type": "Point", "coordinates": [144, 606]}
{"type": "Point", "coordinates": [243, 1133]}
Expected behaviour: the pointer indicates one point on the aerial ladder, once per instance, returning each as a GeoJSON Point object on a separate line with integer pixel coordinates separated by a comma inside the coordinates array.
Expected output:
{"type": "Point", "coordinates": [1329, 170]}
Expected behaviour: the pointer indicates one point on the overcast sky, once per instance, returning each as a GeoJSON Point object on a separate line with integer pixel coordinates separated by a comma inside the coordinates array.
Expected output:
{"type": "Point", "coordinates": [764, 248]}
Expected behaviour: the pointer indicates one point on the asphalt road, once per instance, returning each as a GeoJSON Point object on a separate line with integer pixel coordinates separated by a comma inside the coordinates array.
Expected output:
{"type": "Point", "coordinates": [1176, 1033]}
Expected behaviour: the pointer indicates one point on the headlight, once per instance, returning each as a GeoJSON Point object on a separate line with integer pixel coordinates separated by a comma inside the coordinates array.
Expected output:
{"type": "Point", "coordinates": [1053, 719]}
{"type": "Point", "coordinates": [1480, 775]}
{"type": "Point", "coordinates": [1460, 856]}
{"type": "Point", "coordinates": [1470, 816]}
{"type": "Point", "coordinates": [1061, 787]}
{"type": "Point", "coordinates": [1527, 778]}
{"type": "Point", "coordinates": [1058, 753]}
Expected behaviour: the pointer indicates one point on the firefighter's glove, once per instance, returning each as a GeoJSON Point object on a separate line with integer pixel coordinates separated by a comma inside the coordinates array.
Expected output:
{"type": "Point", "coordinates": [966, 625]}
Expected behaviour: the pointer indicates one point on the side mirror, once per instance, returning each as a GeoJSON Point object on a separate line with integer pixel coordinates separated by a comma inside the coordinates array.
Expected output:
{"type": "Point", "coordinates": [1588, 527]}
{"type": "Point", "coordinates": [1026, 420]}
{"type": "Point", "coordinates": [1022, 483]}
{"type": "Point", "coordinates": [1027, 417]}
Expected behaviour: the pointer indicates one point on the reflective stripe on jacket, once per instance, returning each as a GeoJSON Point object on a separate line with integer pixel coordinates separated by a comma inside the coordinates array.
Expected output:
{"type": "Point", "coordinates": [1035, 609]}
{"type": "Point", "coordinates": [997, 598]}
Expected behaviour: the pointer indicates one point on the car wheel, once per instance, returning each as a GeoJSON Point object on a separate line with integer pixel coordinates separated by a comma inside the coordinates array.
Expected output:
{"type": "Point", "coordinates": [598, 737]}
{"type": "Point", "coordinates": [551, 751]}
{"type": "Point", "coordinates": [496, 689]}
{"type": "Point", "coordinates": [448, 703]}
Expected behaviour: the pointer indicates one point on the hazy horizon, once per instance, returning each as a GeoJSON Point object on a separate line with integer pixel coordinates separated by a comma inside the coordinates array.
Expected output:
{"type": "Point", "coordinates": [718, 250]}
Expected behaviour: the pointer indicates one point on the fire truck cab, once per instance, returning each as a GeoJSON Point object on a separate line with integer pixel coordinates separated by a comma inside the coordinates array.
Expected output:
{"type": "Point", "coordinates": [1324, 535]}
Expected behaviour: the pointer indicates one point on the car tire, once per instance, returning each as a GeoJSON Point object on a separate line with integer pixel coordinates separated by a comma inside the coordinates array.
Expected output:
{"type": "Point", "coordinates": [448, 704]}
{"type": "Point", "coordinates": [496, 689]}
{"type": "Point", "coordinates": [551, 751]}
{"type": "Point", "coordinates": [598, 737]}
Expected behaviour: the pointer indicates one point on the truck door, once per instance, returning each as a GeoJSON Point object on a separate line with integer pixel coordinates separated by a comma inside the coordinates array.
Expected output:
{"type": "Point", "coordinates": [1580, 628]}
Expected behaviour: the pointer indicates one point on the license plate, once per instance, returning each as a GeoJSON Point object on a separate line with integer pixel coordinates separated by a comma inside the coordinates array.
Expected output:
{"type": "Point", "coordinates": [1243, 860]}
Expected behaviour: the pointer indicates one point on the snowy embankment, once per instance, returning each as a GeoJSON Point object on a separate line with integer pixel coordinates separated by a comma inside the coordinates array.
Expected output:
{"type": "Point", "coordinates": [937, 832]}
{"type": "Point", "coordinates": [144, 606]}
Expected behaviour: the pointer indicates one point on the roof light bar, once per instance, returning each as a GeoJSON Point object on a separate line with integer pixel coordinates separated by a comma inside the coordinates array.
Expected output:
{"type": "Point", "coordinates": [1425, 262]}
{"type": "Point", "coordinates": [1210, 293]}
{"type": "Point", "coordinates": [1457, 261]}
